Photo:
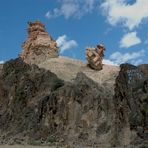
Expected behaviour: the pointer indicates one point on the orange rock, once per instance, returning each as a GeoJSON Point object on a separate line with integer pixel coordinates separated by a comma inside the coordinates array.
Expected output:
{"type": "Point", "coordinates": [39, 46]}
{"type": "Point", "coordinates": [95, 56]}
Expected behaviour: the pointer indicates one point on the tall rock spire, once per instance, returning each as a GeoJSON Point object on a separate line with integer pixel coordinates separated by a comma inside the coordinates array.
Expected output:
{"type": "Point", "coordinates": [39, 45]}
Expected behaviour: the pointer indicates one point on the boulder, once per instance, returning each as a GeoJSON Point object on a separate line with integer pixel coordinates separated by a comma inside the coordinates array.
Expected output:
{"type": "Point", "coordinates": [95, 56]}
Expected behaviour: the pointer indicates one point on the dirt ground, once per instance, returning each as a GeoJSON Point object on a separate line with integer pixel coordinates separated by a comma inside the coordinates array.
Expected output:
{"type": "Point", "coordinates": [25, 146]}
{"type": "Point", "coordinates": [28, 146]}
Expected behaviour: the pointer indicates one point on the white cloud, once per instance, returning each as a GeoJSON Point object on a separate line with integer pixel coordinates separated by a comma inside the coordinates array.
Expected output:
{"type": "Point", "coordinates": [72, 8]}
{"type": "Point", "coordinates": [53, 14]}
{"type": "Point", "coordinates": [137, 62]}
{"type": "Point", "coordinates": [109, 62]}
{"type": "Point", "coordinates": [1, 62]}
{"type": "Point", "coordinates": [129, 40]}
{"type": "Point", "coordinates": [120, 58]}
{"type": "Point", "coordinates": [65, 44]}
{"type": "Point", "coordinates": [130, 15]}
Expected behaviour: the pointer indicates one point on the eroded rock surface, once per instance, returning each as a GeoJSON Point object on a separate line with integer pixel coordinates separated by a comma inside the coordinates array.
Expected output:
{"type": "Point", "coordinates": [144, 68]}
{"type": "Point", "coordinates": [37, 107]}
{"type": "Point", "coordinates": [95, 56]}
{"type": "Point", "coordinates": [22, 89]}
{"type": "Point", "coordinates": [131, 105]}
{"type": "Point", "coordinates": [39, 45]}
{"type": "Point", "coordinates": [1, 67]}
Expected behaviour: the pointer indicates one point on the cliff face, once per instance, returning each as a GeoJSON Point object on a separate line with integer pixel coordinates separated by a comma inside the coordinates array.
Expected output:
{"type": "Point", "coordinates": [131, 104]}
{"type": "Point", "coordinates": [38, 107]}
{"type": "Point", "coordinates": [39, 46]}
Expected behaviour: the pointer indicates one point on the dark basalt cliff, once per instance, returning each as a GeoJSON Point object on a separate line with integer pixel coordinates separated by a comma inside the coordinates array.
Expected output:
{"type": "Point", "coordinates": [131, 103]}
{"type": "Point", "coordinates": [37, 107]}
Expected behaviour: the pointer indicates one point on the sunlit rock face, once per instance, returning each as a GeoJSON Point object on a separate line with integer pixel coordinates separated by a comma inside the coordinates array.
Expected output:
{"type": "Point", "coordinates": [39, 45]}
{"type": "Point", "coordinates": [95, 56]}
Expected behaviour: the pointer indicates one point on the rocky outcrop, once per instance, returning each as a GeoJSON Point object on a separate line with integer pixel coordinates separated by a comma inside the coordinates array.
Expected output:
{"type": "Point", "coordinates": [95, 56]}
{"type": "Point", "coordinates": [144, 68]}
{"type": "Point", "coordinates": [131, 106]}
{"type": "Point", "coordinates": [36, 107]}
{"type": "Point", "coordinates": [23, 91]}
{"type": "Point", "coordinates": [1, 67]}
{"type": "Point", "coordinates": [39, 46]}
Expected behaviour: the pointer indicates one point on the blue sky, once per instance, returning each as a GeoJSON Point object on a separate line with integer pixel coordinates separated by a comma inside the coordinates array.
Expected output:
{"type": "Point", "coordinates": [121, 25]}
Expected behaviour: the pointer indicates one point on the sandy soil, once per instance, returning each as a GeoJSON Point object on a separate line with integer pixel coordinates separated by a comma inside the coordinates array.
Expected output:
{"type": "Point", "coordinates": [67, 69]}
{"type": "Point", "coordinates": [28, 146]}
{"type": "Point", "coordinates": [25, 146]}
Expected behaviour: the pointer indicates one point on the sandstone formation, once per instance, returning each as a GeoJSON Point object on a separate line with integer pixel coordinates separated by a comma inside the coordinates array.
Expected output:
{"type": "Point", "coordinates": [36, 107]}
{"type": "Point", "coordinates": [39, 46]}
{"type": "Point", "coordinates": [95, 56]}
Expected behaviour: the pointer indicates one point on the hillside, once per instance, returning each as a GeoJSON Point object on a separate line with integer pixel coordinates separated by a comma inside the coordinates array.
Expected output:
{"type": "Point", "coordinates": [67, 69]}
{"type": "Point", "coordinates": [89, 108]}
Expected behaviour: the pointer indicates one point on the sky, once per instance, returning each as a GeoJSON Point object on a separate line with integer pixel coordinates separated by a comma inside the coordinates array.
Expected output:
{"type": "Point", "coordinates": [120, 25]}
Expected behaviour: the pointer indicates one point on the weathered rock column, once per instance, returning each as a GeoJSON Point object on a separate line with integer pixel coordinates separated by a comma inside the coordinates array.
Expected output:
{"type": "Point", "coordinates": [39, 46]}
{"type": "Point", "coordinates": [95, 56]}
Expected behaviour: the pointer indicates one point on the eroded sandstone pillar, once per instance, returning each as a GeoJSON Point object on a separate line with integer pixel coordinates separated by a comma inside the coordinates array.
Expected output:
{"type": "Point", "coordinates": [39, 46]}
{"type": "Point", "coordinates": [95, 56]}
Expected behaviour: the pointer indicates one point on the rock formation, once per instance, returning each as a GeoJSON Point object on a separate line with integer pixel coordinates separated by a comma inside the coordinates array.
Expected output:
{"type": "Point", "coordinates": [71, 104]}
{"type": "Point", "coordinates": [144, 68]}
{"type": "Point", "coordinates": [1, 67]}
{"type": "Point", "coordinates": [37, 107]}
{"type": "Point", "coordinates": [39, 46]}
{"type": "Point", "coordinates": [131, 105]}
{"type": "Point", "coordinates": [49, 108]}
{"type": "Point", "coordinates": [95, 56]}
